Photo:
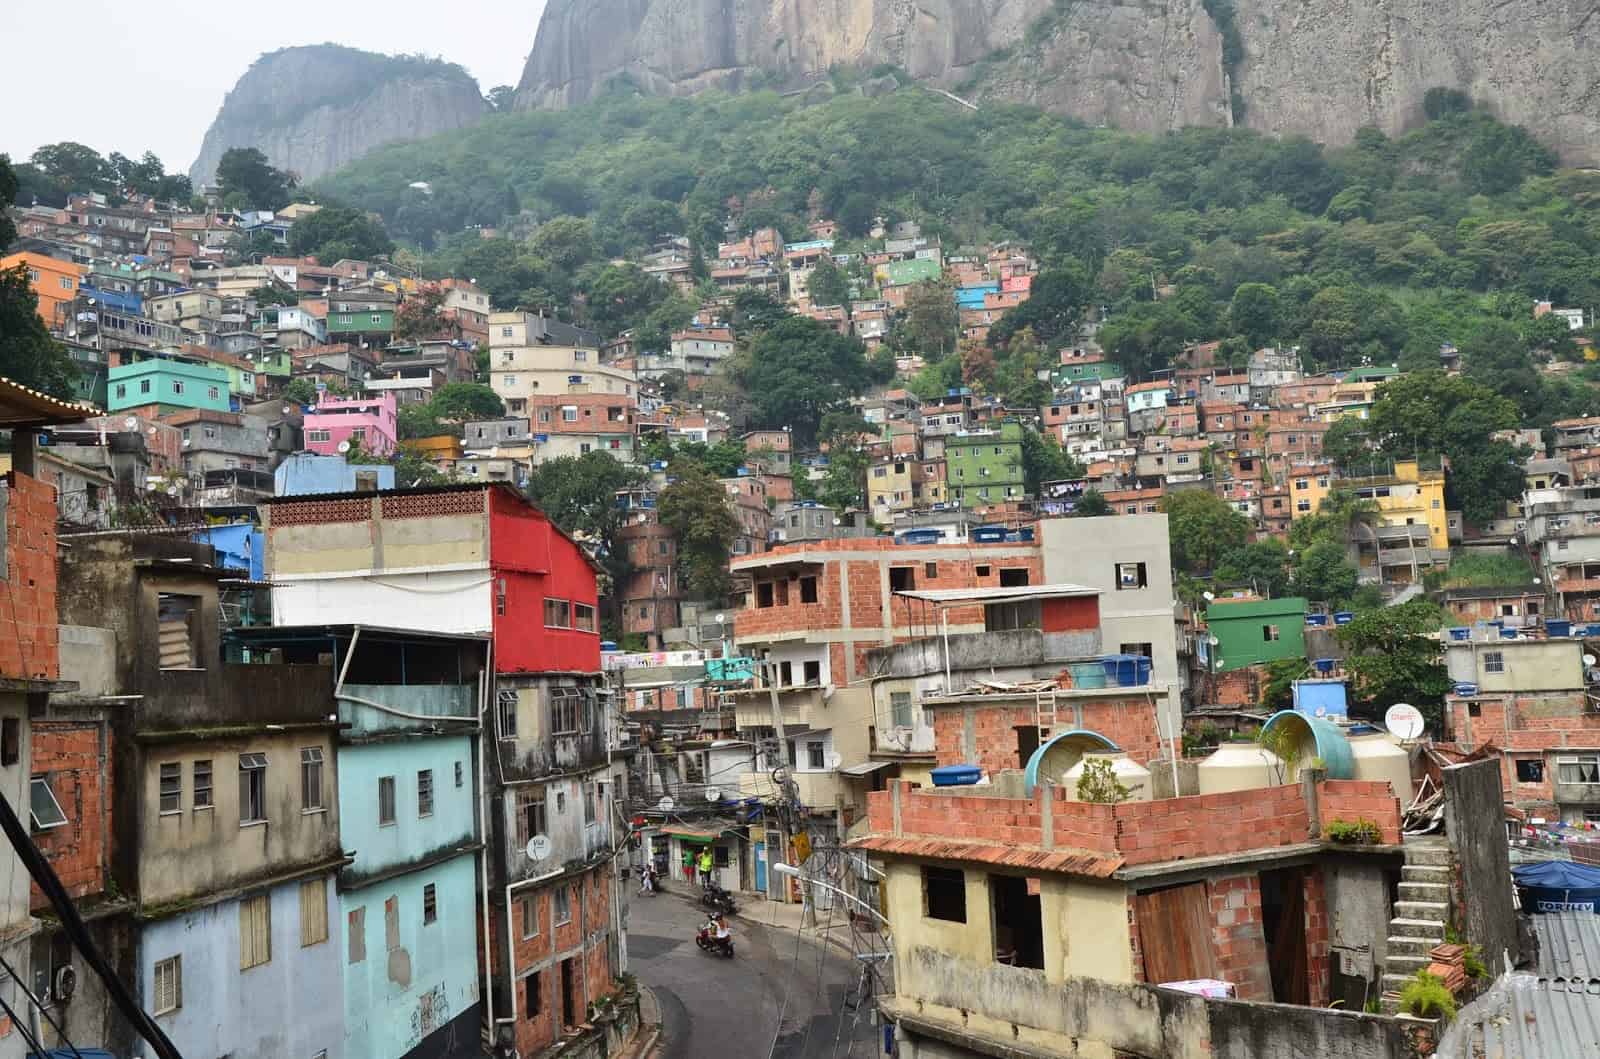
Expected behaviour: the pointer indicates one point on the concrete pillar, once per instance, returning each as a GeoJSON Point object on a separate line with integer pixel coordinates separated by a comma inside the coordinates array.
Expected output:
{"type": "Point", "coordinates": [1309, 778]}
{"type": "Point", "coordinates": [22, 451]}
{"type": "Point", "coordinates": [1044, 796]}
{"type": "Point", "coordinates": [894, 802]}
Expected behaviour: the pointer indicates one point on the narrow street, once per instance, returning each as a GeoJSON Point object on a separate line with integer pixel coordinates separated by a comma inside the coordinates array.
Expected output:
{"type": "Point", "coordinates": [729, 1009]}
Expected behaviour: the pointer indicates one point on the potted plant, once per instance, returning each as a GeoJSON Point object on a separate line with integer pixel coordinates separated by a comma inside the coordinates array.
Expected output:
{"type": "Point", "coordinates": [1357, 833]}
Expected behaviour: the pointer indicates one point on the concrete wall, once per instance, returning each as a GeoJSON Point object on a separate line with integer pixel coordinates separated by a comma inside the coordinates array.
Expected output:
{"type": "Point", "coordinates": [457, 601]}
{"type": "Point", "coordinates": [411, 838]}
{"type": "Point", "coordinates": [1481, 894]}
{"type": "Point", "coordinates": [399, 995]}
{"type": "Point", "coordinates": [1529, 665]}
{"type": "Point", "coordinates": [1086, 551]}
{"type": "Point", "coordinates": [14, 782]}
{"type": "Point", "coordinates": [1358, 917]}
{"type": "Point", "coordinates": [283, 1007]}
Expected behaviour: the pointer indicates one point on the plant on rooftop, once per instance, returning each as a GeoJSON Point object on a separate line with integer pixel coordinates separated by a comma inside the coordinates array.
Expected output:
{"type": "Point", "coordinates": [1099, 783]}
{"type": "Point", "coordinates": [1472, 962]}
{"type": "Point", "coordinates": [1426, 997]}
{"type": "Point", "coordinates": [1357, 833]}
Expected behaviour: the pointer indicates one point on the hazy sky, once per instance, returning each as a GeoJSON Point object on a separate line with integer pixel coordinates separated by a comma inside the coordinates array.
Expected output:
{"type": "Point", "coordinates": [132, 77]}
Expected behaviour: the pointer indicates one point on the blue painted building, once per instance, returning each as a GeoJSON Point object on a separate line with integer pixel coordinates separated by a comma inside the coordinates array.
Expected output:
{"type": "Point", "coordinates": [306, 473]}
{"type": "Point", "coordinates": [972, 297]}
{"type": "Point", "coordinates": [239, 546]}
{"type": "Point", "coordinates": [407, 906]}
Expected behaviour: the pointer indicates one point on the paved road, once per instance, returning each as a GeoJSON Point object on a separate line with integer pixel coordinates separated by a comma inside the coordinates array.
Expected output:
{"type": "Point", "coordinates": [729, 1009]}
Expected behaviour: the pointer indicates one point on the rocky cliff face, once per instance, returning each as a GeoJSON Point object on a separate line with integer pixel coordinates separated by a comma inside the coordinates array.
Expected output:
{"type": "Point", "coordinates": [1323, 68]}
{"type": "Point", "coordinates": [310, 110]}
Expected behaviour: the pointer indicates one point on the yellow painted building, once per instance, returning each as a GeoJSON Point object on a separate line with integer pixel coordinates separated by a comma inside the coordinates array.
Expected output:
{"type": "Point", "coordinates": [1308, 486]}
{"type": "Point", "coordinates": [892, 485]}
{"type": "Point", "coordinates": [1409, 496]}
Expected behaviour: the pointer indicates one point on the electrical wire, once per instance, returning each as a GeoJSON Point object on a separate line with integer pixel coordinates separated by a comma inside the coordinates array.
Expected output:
{"type": "Point", "coordinates": [42, 1008]}
{"type": "Point", "coordinates": [22, 1028]}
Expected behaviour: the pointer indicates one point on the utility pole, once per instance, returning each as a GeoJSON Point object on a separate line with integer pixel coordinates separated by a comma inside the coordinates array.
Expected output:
{"type": "Point", "coordinates": [787, 792]}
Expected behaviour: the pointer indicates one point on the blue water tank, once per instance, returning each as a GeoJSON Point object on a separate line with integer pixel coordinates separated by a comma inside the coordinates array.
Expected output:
{"type": "Point", "coordinates": [1466, 691]}
{"type": "Point", "coordinates": [956, 775]}
{"type": "Point", "coordinates": [1343, 617]}
{"type": "Point", "coordinates": [1558, 627]}
{"type": "Point", "coordinates": [1461, 632]}
{"type": "Point", "coordinates": [1507, 633]}
{"type": "Point", "coordinates": [1319, 620]}
{"type": "Point", "coordinates": [1324, 665]}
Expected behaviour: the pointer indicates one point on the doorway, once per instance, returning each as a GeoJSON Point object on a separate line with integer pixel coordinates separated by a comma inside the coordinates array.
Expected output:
{"type": "Point", "coordinates": [569, 994]}
{"type": "Point", "coordinates": [1283, 923]}
{"type": "Point", "coordinates": [1027, 743]}
{"type": "Point", "coordinates": [1175, 934]}
{"type": "Point", "coordinates": [1018, 921]}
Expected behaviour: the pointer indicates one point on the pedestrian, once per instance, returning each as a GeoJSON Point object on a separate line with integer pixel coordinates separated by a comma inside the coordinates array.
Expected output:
{"type": "Point", "coordinates": [705, 867]}
{"type": "Point", "coordinates": [688, 864]}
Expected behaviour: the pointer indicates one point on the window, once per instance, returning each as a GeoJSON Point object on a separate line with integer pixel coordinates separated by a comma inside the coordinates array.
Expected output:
{"type": "Point", "coordinates": [252, 788]}
{"type": "Point", "coordinates": [1302, 506]}
{"type": "Point", "coordinates": [169, 985]}
{"type": "Point", "coordinates": [1584, 768]}
{"type": "Point", "coordinates": [214, 394]}
{"type": "Point", "coordinates": [1494, 662]}
{"type": "Point", "coordinates": [1013, 577]}
{"type": "Point", "coordinates": [318, 435]}
{"type": "Point", "coordinates": [1269, 633]}
{"type": "Point", "coordinates": [44, 812]}
{"type": "Point", "coordinates": [122, 389]}
{"type": "Point", "coordinates": [356, 934]}
{"type": "Point", "coordinates": [144, 385]}
{"type": "Point", "coordinates": [505, 332]}
{"type": "Point", "coordinates": [1131, 575]}
{"type": "Point", "coordinates": [313, 912]}
{"type": "Point", "coordinates": [425, 792]}
{"type": "Point", "coordinates": [583, 617]}
{"type": "Point", "coordinates": [564, 703]}
{"type": "Point", "coordinates": [901, 579]}
{"type": "Point", "coordinates": [814, 757]}
{"type": "Point", "coordinates": [808, 589]}
{"type": "Point", "coordinates": [557, 614]}
{"type": "Point", "coordinates": [178, 628]}
{"type": "Point", "coordinates": [385, 800]}
{"type": "Point", "coordinates": [255, 931]}
{"type": "Point", "coordinates": [812, 672]}
{"type": "Point", "coordinates": [579, 356]}
{"type": "Point", "coordinates": [982, 570]}
{"type": "Point", "coordinates": [171, 787]}
{"type": "Point", "coordinates": [1530, 770]}
{"type": "Point", "coordinates": [528, 907]}
{"type": "Point", "coordinates": [177, 385]}
{"type": "Point", "coordinates": [532, 995]}
{"type": "Point", "coordinates": [430, 904]}
{"type": "Point", "coordinates": [530, 815]}
{"type": "Point", "coordinates": [944, 894]}
{"type": "Point", "coordinates": [569, 414]}
{"type": "Point", "coordinates": [900, 709]}
{"type": "Point", "coordinates": [505, 708]}
{"type": "Point", "coordinates": [202, 784]}
{"type": "Point", "coordinates": [563, 896]}
{"type": "Point", "coordinates": [459, 776]}
{"type": "Point", "coordinates": [311, 780]}
{"type": "Point", "coordinates": [589, 799]}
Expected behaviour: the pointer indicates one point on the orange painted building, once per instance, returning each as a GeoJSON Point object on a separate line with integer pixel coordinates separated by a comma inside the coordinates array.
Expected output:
{"type": "Point", "coordinates": [53, 280]}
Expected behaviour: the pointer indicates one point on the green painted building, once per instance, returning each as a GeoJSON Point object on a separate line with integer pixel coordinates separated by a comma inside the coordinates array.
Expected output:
{"type": "Point", "coordinates": [984, 467]}
{"type": "Point", "coordinates": [173, 384]}
{"type": "Point", "coordinates": [363, 322]}
{"type": "Point", "coordinates": [1260, 630]}
{"type": "Point", "coordinates": [1063, 375]}
{"type": "Point", "coordinates": [90, 385]}
{"type": "Point", "coordinates": [899, 273]}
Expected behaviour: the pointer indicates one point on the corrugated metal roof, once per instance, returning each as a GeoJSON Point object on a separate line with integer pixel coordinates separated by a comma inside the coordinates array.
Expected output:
{"type": "Point", "coordinates": [999, 593]}
{"type": "Point", "coordinates": [1072, 861]}
{"type": "Point", "coordinates": [1525, 1016]}
{"type": "Point", "coordinates": [1569, 944]}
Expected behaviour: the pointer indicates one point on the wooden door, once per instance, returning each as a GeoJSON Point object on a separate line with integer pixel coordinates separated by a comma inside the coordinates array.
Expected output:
{"type": "Point", "coordinates": [1175, 934]}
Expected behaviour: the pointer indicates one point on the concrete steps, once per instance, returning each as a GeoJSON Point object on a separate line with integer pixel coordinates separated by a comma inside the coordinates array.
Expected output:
{"type": "Point", "coordinates": [1420, 915]}
{"type": "Point", "coordinates": [1438, 911]}
{"type": "Point", "coordinates": [1431, 929]}
{"type": "Point", "coordinates": [1427, 854]}
{"type": "Point", "coordinates": [1429, 892]}
{"type": "Point", "coordinates": [1412, 945]}
{"type": "Point", "coordinates": [1425, 873]}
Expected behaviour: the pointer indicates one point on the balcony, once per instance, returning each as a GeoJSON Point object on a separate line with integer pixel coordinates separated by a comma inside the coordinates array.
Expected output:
{"type": "Point", "coordinates": [818, 790]}
{"type": "Point", "coordinates": [1577, 793]}
{"type": "Point", "coordinates": [753, 706]}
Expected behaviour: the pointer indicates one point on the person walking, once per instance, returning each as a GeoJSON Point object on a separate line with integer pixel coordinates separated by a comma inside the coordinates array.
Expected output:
{"type": "Point", "coordinates": [688, 864]}
{"type": "Point", "coordinates": [705, 864]}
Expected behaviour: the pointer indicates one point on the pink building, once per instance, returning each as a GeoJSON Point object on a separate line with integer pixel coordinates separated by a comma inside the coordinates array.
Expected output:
{"type": "Point", "coordinates": [368, 422]}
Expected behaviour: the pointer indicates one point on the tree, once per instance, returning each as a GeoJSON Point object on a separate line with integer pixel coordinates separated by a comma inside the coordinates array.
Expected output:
{"type": "Point", "coordinates": [1054, 308]}
{"type": "Point", "coordinates": [266, 296]}
{"type": "Point", "coordinates": [931, 325]}
{"type": "Point", "coordinates": [695, 507]}
{"type": "Point", "coordinates": [501, 97]}
{"type": "Point", "coordinates": [1044, 460]}
{"type": "Point", "coordinates": [756, 310]}
{"type": "Point", "coordinates": [578, 493]}
{"type": "Point", "coordinates": [1092, 504]}
{"type": "Point", "coordinates": [1348, 445]}
{"type": "Point", "coordinates": [422, 315]}
{"type": "Point", "coordinates": [799, 370]}
{"type": "Point", "coordinates": [1262, 564]}
{"type": "Point", "coordinates": [844, 481]}
{"type": "Point", "coordinates": [338, 233]}
{"type": "Point", "coordinates": [1322, 573]}
{"type": "Point", "coordinates": [828, 285]}
{"type": "Point", "coordinates": [1203, 528]}
{"type": "Point", "coordinates": [620, 296]}
{"type": "Point", "coordinates": [28, 354]}
{"type": "Point", "coordinates": [1254, 313]}
{"type": "Point", "coordinates": [467, 400]}
{"type": "Point", "coordinates": [417, 420]}
{"type": "Point", "coordinates": [1394, 659]}
{"type": "Point", "coordinates": [74, 167]}
{"type": "Point", "coordinates": [248, 182]}
{"type": "Point", "coordinates": [301, 391]}
{"type": "Point", "coordinates": [565, 242]}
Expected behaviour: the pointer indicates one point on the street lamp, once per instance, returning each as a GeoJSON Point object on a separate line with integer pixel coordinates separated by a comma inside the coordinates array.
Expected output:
{"type": "Point", "coordinates": [794, 872]}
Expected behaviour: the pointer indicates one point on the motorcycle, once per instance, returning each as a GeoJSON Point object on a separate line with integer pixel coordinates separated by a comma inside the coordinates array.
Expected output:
{"type": "Point", "coordinates": [717, 899]}
{"type": "Point", "coordinates": [709, 942]}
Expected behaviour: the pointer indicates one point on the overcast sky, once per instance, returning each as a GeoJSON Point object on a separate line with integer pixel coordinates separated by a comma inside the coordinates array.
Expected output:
{"type": "Point", "coordinates": [132, 77]}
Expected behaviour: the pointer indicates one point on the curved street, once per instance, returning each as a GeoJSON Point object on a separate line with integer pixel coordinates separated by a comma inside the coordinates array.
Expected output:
{"type": "Point", "coordinates": [712, 1006]}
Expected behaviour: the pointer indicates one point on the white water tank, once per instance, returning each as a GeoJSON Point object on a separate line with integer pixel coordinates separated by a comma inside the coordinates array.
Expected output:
{"type": "Point", "coordinates": [1128, 772]}
{"type": "Point", "coordinates": [1379, 757]}
{"type": "Point", "coordinates": [1240, 767]}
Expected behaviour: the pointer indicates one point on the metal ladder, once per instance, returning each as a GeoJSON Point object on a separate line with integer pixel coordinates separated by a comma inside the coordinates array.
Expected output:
{"type": "Point", "coordinates": [1044, 716]}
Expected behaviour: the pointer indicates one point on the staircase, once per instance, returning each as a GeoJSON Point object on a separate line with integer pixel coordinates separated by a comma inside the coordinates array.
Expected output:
{"type": "Point", "coordinates": [1419, 915]}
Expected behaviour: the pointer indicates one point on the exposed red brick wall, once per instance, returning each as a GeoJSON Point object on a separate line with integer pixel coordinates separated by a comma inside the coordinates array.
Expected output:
{"type": "Point", "coordinates": [1066, 615]}
{"type": "Point", "coordinates": [1129, 723]}
{"type": "Point", "coordinates": [68, 754]}
{"type": "Point", "coordinates": [1237, 936]}
{"type": "Point", "coordinates": [28, 624]}
{"type": "Point", "coordinates": [1531, 725]}
{"type": "Point", "coordinates": [1211, 824]}
{"type": "Point", "coordinates": [1353, 800]}
{"type": "Point", "coordinates": [1317, 937]}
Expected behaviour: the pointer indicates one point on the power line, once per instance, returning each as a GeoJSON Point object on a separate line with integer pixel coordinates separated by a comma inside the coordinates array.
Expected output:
{"type": "Point", "coordinates": [43, 1010]}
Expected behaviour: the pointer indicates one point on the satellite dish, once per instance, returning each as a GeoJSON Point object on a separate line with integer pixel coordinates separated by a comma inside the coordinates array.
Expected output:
{"type": "Point", "coordinates": [665, 805]}
{"type": "Point", "coordinates": [721, 618]}
{"type": "Point", "coordinates": [1208, 596]}
{"type": "Point", "coordinates": [1588, 660]}
{"type": "Point", "coordinates": [152, 431]}
{"type": "Point", "coordinates": [343, 446]}
{"type": "Point", "coordinates": [287, 409]}
{"type": "Point", "coordinates": [185, 442]}
{"type": "Point", "coordinates": [131, 423]}
{"type": "Point", "coordinates": [1403, 720]}
{"type": "Point", "coordinates": [713, 795]}
{"type": "Point", "coordinates": [538, 847]}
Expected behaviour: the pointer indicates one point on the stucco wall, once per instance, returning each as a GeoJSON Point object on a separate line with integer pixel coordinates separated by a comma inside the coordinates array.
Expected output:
{"type": "Point", "coordinates": [280, 1008]}
{"type": "Point", "coordinates": [456, 601]}
{"type": "Point", "coordinates": [1481, 890]}
{"type": "Point", "coordinates": [395, 997]}
{"type": "Point", "coordinates": [411, 837]}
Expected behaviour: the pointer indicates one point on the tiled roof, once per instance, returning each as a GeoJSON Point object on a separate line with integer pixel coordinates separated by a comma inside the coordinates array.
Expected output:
{"type": "Point", "coordinates": [1069, 861]}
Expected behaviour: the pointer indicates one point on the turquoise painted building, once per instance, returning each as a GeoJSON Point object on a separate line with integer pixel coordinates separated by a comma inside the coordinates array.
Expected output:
{"type": "Point", "coordinates": [169, 382]}
{"type": "Point", "coordinates": [1261, 630]}
{"type": "Point", "coordinates": [984, 467]}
